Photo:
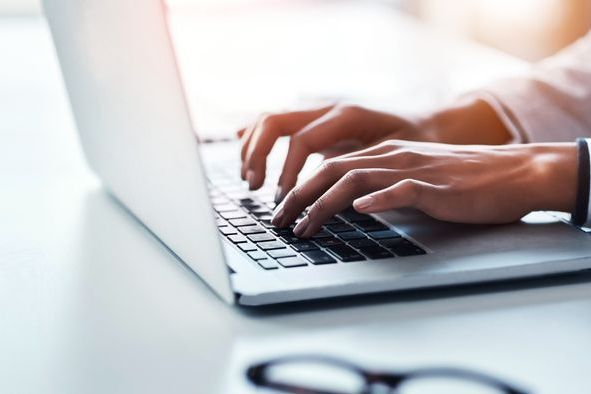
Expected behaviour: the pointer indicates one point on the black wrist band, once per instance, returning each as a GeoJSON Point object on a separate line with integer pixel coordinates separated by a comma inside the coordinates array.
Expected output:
{"type": "Point", "coordinates": [579, 216]}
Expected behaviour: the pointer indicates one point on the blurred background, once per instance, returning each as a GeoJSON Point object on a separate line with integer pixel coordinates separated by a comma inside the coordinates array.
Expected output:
{"type": "Point", "coordinates": [529, 29]}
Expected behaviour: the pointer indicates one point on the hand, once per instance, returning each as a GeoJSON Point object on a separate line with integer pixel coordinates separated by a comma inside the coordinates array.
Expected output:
{"type": "Point", "coordinates": [456, 183]}
{"type": "Point", "coordinates": [331, 130]}
{"type": "Point", "coordinates": [339, 129]}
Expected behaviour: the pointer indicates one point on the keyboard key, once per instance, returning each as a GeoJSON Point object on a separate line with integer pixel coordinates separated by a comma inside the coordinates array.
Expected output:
{"type": "Point", "coordinates": [328, 242]}
{"type": "Point", "coordinates": [333, 220]}
{"type": "Point", "coordinates": [403, 247]}
{"type": "Point", "coordinates": [351, 235]}
{"type": "Point", "coordinates": [234, 194]}
{"type": "Point", "coordinates": [268, 264]}
{"type": "Point", "coordinates": [354, 217]}
{"type": "Point", "coordinates": [304, 246]}
{"type": "Point", "coordinates": [376, 252]}
{"type": "Point", "coordinates": [345, 253]}
{"type": "Point", "coordinates": [322, 234]}
{"type": "Point", "coordinates": [271, 245]}
{"type": "Point", "coordinates": [282, 231]}
{"type": "Point", "coordinates": [373, 225]}
{"type": "Point", "coordinates": [219, 201]}
{"type": "Point", "coordinates": [221, 222]}
{"type": "Point", "coordinates": [279, 253]}
{"type": "Point", "coordinates": [251, 230]}
{"type": "Point", "coordinates": [396, 243]}
{"type": "Point", "coordinates": [362, 243]}
{"type": "Point", "coordinates": [384, 234]}
{"type": "Point", "coordinates": [267, 223]}
{"type": "Point", "coordinates": [405, 252]}
{"type": "Point", "coordinates": [224, 207]}
{"type": "Point", "coordinates": [247, 247]}
{"type": "Point", "coordinates": [232, 215]}
{"type": "Point", "coordinates": [339, 228]}
{"type": "Point", "coordinates": [242, 222]}
{"type": "Point", "coordinates": [252, 207]}
{"type": "Point", "coordinates": [261, 212]}
{"type": "Point", "coordinates": [257, 255]}
{"type": "Point", "coordinates": [228, 230]}
{"type": "Point", "coordinates": [261, 237]}
{"type": "Point", "coordinates": [246, 201]}
{"type": "Point", "coordinates": [317, 257]}
{"type": "Point", "coordinates": [290, 262]}
{"type": "Point", "coordinates": [265, 217]}
{"type": "Point", "coordinates": [237, 238]}
{"type": "Point", "coordinates": [289, 239]}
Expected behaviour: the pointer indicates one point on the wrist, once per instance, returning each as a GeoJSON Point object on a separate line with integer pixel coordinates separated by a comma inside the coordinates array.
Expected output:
{"type": "Point", "coordinates": [555, 169]}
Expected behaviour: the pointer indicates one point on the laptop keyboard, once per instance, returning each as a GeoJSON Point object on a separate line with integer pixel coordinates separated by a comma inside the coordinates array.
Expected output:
{"type": "Point", "coordinates": [244, 219]}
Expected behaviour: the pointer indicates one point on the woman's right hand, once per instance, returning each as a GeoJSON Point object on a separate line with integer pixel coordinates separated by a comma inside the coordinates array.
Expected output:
{"type": "Point", "coordinates": [332, 131]}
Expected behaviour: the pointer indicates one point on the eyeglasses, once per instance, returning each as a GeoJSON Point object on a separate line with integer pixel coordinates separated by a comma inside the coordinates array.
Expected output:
{"type": "Point", "coordinates": [326, 375]}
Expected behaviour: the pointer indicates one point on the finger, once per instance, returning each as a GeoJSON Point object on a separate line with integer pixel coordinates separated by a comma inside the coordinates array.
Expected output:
{"type": "Point", "coordinates": [302, 196]}
{"type": "Point", "coordinates": [354, 184]}
{"type": "Point", "coordinates": [379, 149]}
{"type": "Point", "coordinates": [240, 132]}
{"type": "Point", "coordinates": [245, 143]}
{"type": "Point", "coordinates": [265, 134]}
{"type": "Point", "coordinates": [405, 194]}
{"type": "Point", "coordinates": [315, 137]}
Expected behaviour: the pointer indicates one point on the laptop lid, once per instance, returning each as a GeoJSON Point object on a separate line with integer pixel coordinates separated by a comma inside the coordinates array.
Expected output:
{"type": "Point", "coordinates": [129, 105]}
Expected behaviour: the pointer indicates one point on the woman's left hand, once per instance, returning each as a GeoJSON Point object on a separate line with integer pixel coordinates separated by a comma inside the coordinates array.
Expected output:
{"type": "Point", "coordinates": [456, 183]}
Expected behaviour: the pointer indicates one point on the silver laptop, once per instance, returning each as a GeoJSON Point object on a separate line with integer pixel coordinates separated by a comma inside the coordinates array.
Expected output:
{"type": "Point", "coordinates": [127, 97]}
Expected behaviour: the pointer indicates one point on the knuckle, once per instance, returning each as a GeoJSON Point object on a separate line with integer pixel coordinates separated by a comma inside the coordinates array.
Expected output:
{"type": "Point", "coordinates": [317, 208]}
{"type": "Point", "coordinates": [294, 200]}
{"type": "Point", "coordinates": [393, 143]}
{"type": "Point", "coordinates": [268, 122]}
{"type": "Point", "coordinates": [409, 186]}
{"type": "Point", "coordinates": [355, 178]}
{"type": "Point", "coordinates": [297, 141]}
{"type": "Point", "coordinates": [387, 144]}
{"type": "Point", "coordinates": [329, 167]}
{"type": "Point", "coordinates": [409, 157]}
{"type": "Point", "coordinates": [349, 110]}
{"type": "Point", "coordinates": [294, 195]}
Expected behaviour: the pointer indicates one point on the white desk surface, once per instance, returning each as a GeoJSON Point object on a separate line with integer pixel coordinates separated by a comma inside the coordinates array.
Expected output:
{"type": "Point", "coordinates": [90, 302]}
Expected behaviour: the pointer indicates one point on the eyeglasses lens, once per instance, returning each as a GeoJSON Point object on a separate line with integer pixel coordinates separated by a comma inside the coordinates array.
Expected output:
{"type": "Point", "coordinates": [436, 385]}
{"type": "Point", "coordinates": [316, 376]}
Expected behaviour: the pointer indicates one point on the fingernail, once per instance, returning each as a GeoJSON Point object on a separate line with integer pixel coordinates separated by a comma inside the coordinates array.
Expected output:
{"type": "Point", "coordinates": [363, 202]}
{"type": "Point", "coordinates": [279, 195]}
{"type": "Point", "coordinates": [250, 178]}
{"type": "Point", "coordinates": [277, 216]}
{"type": "Point", "coordinates": [300, 228]}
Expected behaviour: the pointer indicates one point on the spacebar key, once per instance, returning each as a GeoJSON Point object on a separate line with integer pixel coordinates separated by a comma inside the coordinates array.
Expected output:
{"type": "Point", "coordinates": [318, 257]}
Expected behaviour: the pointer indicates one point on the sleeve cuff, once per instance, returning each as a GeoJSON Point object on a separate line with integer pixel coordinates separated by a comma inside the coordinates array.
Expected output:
{"type": "Point", "coordinates": [588, 191]}
{"type": "Point", "coordinates": [582, 211]}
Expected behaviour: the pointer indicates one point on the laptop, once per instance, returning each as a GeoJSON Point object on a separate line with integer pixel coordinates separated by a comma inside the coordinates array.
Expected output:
{"type": "Point", "coordinates": [133, 120]}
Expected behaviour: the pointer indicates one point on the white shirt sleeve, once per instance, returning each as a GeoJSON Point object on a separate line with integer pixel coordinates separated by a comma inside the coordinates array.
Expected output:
{"type": "Point", "coordinates": [588, 220]}
{"type": "Point", "coordinates": [552, 102]}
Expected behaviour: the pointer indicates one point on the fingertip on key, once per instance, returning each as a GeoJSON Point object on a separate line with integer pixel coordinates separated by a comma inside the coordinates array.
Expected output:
{"type": "Point", "coordinates": [300, 229]}
{"type": "Point", "coordinates": [277, 218]}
